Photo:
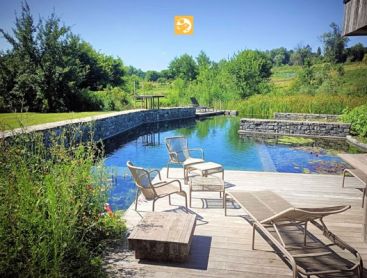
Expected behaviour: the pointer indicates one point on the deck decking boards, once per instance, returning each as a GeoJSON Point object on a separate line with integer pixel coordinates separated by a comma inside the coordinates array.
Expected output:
{"type": "Point", "coordinates": [221, 246]}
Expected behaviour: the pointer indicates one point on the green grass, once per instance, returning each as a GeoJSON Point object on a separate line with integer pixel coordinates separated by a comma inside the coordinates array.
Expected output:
{"type": "Point", "coordinates": [264, 106]}
{"type": "Point", "coordinates": [14, 120]}
{"type": "Point", "coordinates": [353, 82]}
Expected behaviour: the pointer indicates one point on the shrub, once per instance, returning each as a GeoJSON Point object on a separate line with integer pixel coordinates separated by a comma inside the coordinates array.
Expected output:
{"type": "Point", "coordinates": [358, 118]}
{"type": "Point", "coordinates": [110, 99]}
{"type": "Point", "coordinates": [50, 205]}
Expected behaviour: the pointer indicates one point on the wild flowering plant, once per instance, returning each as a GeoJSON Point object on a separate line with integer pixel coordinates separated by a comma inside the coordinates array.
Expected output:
{"type": "Point", "coordinates": [50, 205]}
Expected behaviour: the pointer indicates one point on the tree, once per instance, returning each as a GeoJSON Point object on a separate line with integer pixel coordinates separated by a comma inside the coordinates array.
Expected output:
{"type": "Point", "coordinates": [203, 60]}
{"type": "Point", "coordinates": [47, 66]}
{"type": "Point", "coordinates": [300, 55]}
{"type": "Point", "coordinates": [18, 67]}
{"type": "Point", "coordinates": [318, 52]}
{"type": "Point", "coordinates": [356, 52]}
{"type": "Point", "coordinates": [280, 56]}
{"type": "Point", "coordinates": [183, 67]}
{"type": "Point", "coordinates": [334, 44]}
{"type": "Point", "coordinates": [152, 75]}
{"type": "Point", "coordinates": [130, 70]}
{"type": "Point", "coordinates": [250, 70]}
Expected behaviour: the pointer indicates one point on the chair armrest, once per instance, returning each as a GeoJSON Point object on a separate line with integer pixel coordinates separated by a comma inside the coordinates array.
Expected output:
{"type": "Point", "coordinates": [199, 150]}
{"type": "Point", "coordinates": [155, 170]}
{"type": "Point", "coordinates": [173, 156]}
{"type": "Point", "coordinates": [159, 184]}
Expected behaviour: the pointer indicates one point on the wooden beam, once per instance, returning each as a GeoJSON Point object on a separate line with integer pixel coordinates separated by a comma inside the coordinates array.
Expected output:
{"type": "Point", "coordinates": [355, 17]}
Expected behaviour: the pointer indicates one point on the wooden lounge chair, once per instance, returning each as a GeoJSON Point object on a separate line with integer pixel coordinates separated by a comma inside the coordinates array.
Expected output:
{"type": "Point", "coordinates": [286, 228]}
{"type": "Point", "coordinates": [361, 176]}
{"type": "Point", "coordinates": [179, 153]}
{"type": "Point", "coordinates": [154, 191]}
{"type": "Point", "coordinates": [195, 104]}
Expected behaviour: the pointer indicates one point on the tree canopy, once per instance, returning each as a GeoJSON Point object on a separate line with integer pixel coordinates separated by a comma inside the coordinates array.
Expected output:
{"type": "Point", "coordinates": [334, 44]}
{"type": "Point", "coordinates": [48, 66]}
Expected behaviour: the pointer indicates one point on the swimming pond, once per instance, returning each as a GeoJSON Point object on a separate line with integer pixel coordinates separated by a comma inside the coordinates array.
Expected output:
{"type": "Point", "coordinates": [219, 138]}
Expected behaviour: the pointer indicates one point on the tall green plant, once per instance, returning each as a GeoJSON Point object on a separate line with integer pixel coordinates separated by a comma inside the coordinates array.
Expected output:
{"type": "Point", "coordinates": [50, 205]}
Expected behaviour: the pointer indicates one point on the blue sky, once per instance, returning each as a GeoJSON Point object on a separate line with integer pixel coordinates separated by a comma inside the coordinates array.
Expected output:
{"type": "Point", "coordinates": [141, 31]}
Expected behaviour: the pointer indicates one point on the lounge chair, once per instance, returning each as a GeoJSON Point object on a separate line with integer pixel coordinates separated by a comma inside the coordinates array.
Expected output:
{"type": "Point", "coordinates": [286, 227]}
{"type": "Point", "coordinates": [154, 191]}
{"type": "Point", "coordinates": [359, 175]}
{"type": "Point", "coordinates": [195, 104]}
{"type": "Point", "coordinates": [179, 153]}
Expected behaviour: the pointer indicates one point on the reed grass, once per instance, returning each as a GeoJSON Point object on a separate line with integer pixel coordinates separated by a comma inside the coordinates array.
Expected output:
{"type": "Point", "coordinates": [264, 106]}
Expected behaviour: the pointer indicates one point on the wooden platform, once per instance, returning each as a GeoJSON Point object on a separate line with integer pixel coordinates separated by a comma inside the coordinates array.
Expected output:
{"type": "Point", "coordinates": [221, 246]}
{"type": "Point", "coordinates": [208, 113]}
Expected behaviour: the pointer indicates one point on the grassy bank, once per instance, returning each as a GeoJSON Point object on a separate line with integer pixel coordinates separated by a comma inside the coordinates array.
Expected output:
{"type": "Point", "coordinates": [264, 106]}
{"type": "Point", "coordinates": [14, 120]}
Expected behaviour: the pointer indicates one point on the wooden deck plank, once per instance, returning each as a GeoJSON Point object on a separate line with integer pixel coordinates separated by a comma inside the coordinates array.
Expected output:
{"type": "Point", "coordinates": [221, 245]}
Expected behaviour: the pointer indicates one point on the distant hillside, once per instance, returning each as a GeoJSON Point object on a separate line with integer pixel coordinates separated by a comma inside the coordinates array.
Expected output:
{"type": "Point", "coordinates": [354, 80]}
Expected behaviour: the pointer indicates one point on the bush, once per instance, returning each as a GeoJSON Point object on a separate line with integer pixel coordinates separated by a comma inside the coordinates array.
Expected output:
{"type": "Point", "coordinates": [50, 205]}
{"type": "Point", "coordinates": [358, 118]}
{"type": "Point", "coordinates": [110, 99]}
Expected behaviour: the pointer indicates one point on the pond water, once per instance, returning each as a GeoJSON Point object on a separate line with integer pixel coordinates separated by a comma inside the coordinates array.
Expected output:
{"type": "Point", "coordinates": [219, 138]}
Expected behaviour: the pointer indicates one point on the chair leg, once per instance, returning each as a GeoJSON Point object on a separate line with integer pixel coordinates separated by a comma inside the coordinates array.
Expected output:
{"type": "Point", "coordinates": [364, 195]}
{"type": "Point", "coordinates": [169, 199]}
{"type": "Point", "coordinates": [225, 203]}
{"type": "Point", "coordinates": [190, 196]}
{"type": "Point", "coordinates": [185, 196]}
{"type": "Point", "coordinates": [253, 236]}
{"type": "Point", "coordinates": [167, 169]}
{"type": "Point", "coordinates": [344, 172]}
{"type": "Point", "coordinates": [136, 199]}
{"type": "Point", "coordinates": [153, 204]}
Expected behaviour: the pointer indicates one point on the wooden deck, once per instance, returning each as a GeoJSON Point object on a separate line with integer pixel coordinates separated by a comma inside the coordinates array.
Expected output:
{"type": "Point", "coordinates": [221, 245]}
{"type": "Point", "coordinates": [208, 113]}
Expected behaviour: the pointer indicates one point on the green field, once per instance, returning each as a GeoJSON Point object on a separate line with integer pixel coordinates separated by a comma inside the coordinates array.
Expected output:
{"type": "Point", "coordinates": [14, 120]}
{"type": "Point", "coordinates": [353, 81]}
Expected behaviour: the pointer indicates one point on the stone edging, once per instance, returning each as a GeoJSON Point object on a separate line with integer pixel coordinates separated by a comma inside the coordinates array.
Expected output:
{"type": "Point", "coordinates": [354, 141]}
{"type": "Point", "coordinates": [111, 124]}
{"type": "Point", "coordinates": [294, 128]}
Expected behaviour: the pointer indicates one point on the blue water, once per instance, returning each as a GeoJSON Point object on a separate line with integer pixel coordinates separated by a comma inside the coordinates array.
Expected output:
{"type": "Point", "coordinates": [219, 138]}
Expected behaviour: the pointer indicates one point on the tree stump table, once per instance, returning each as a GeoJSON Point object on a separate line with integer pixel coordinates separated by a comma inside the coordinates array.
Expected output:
{"type": "Point", "coordinates": [163, 236]}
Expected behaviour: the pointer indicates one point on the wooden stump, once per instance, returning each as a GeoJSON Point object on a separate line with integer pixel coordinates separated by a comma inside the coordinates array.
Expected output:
{"type": "Point", "coordinates": [163, 236]}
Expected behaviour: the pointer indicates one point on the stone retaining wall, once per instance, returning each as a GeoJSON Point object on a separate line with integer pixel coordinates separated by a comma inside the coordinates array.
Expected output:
{"type": "Point", "coordinates": [297, 128]}
{"type": "Point", "coordinates": [108, 125]}
{"type": "Point", "coordinates": [306, 117]}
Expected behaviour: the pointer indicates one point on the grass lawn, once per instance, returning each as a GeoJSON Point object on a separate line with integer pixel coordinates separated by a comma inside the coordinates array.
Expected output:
{"type": "Point", "coordinates": [14, 120]}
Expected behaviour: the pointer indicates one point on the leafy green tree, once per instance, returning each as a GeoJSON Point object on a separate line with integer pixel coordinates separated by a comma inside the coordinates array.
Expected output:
{"type": "Point", "coordinates": [130, 70]}
{"type": "Point", "coordinates": [47, 66]}
{"type": "Point", "coordinates": [300, 55]}
{"type": "Point", "coordinates": [203, 60]}
{"type": "Point", "coordinates": [318, 52]}
{"type": "Point", "coordinates": [18, 68]}
{"type": "Point", "coordinates": [183, 67]}
{"type": "Point", "coordinates": [152, 75]}
{"type": "Point", "coordinates": [60, 73]}
{"type": "Point", "coordinates": [356, 52]}
{"type": "Point", "coordinates": [334, 44]}
{"type": "Point", "coordinates": [250, 70]}
{"type": "Point", "coordinates": [280, 56]}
